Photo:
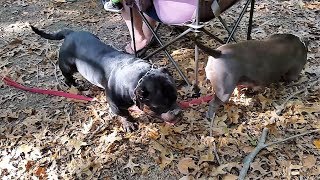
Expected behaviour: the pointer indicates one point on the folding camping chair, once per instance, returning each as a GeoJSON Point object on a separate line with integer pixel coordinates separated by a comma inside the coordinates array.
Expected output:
{"type": "Point", "coordinates": [197, 26]}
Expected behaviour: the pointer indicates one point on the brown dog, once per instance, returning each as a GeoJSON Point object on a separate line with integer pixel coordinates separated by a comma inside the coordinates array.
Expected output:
{"type": "Point", "coordinates": [281, 57]}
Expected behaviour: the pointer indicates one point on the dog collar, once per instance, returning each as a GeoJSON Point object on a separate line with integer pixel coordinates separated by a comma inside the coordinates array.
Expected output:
{"type": "Point", "coordinates": [153, 67]}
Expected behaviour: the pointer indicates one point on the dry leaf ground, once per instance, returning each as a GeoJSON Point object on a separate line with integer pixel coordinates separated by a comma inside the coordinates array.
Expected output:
{"type": "Point", "coordinates": [52, 137]}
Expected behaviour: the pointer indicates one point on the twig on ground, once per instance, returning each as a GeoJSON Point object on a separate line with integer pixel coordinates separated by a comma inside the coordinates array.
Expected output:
{"type": "Point", "coordinates": [37, 74]}
{"type": "Point", "coordinates": [214, 143]}
{"type": "Point", "coordinates": [261, 144]}
{"type": "Point", "coordinates": [216, 153]}
{"type": "Point", "coordinates": [55, 73]}
{"type": "Point", "coordinates": [99, 129]}
{"type": "Point", "coordinates": [292, 137]}
{"type": "Point", "coordinates": [37, 64]}
{"type": "Point", "coordinates": [211, 124]}
{"type": "Point", "coordinates": [249, 158]}
{"type": "Point", "coordinates": [262, 175]}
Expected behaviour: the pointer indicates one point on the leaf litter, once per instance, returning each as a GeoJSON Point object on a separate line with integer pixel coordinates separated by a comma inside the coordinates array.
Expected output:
{"type": "Point", "coordinates": [49, 137]}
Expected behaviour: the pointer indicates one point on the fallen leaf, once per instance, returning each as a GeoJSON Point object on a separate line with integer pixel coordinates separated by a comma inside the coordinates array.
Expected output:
{"type": "Point", "coordinates": [295, 166]}
{"type": "Point", "coordinates": [131, 165]}
{"type": "Point", "coordinates": [264, 101]}
{"type": "Point", "coordinates": [220, 170]}
{"type": "Point", "coordinates": [187, 178]}
{"type": "Point", "coordinates": [219, 125]}
{"type": "Point", "coordinates": [317, 143]}
{"type": "Point", "coordinates": [312, 109]}
{"type": "Point", "coordinates": [180, 128]}
{"type": "Point", "coordinates": [73, 90]}
{"type": "Point", "coordinates": [41, 172]}
{"type": "Point", "coordinates": [86, 127]}
{"type": "Point", "coordinates": [24, 149]}
{"type": "Point", "coordinates": [76, 144]}
{"type": "Point", "coordinates": [257, 167]}
{"type": "Point", "coordinates": [153, 134]}
{"type": "Point", "coordinates": [309, 161]}
{"type": "Point", "coordinates": [159, 147]}
{"type": "Point", "coordinates": [29, 165]}
{"type": "Point", "coordinates": [110, 138]}
{"type": "Point", "coordinates": [272, 128]}
{"type": "Point", "coordinates": [145, 168]}
{"type": "Point", "coordinates": [230, 177]}
{"type": "Point", "coordinates": [165, 130]}
{"type": "Point", "coordinates": [165, 161]}
{"type": "Point", "coordinates": [312, 5]}
{"type": "Point", "coordinates": [5, 163]}
{"type": "Point", "coordinates": [232, 112]}
{"type": "Point", "coordinates": [186, 163]}
{"type": "Point", "coordinates": [208, 157]}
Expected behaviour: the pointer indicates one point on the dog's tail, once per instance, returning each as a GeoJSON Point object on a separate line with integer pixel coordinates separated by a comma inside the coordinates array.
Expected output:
{"type": "Point", "coordinates": [212, 52]}
{"type": "Point", "coordinates": [56, 36]}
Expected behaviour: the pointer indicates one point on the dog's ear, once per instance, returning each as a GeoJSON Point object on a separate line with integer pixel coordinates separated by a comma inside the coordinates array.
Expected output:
{"type": "Point", "coordinates": [165, 70]}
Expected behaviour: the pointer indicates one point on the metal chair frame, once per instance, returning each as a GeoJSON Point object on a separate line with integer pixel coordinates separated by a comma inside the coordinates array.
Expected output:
{"type": "Point", "coordinates": [196, 27]}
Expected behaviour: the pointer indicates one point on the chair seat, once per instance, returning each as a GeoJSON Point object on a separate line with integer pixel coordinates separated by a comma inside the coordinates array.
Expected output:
{"type": "Point", "coordinates": [175, 12]}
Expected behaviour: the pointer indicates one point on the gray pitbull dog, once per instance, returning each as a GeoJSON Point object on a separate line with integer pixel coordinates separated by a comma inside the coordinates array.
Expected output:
{"type": "Point", "coordinates": [251, 63]}
{"type": "Point", "coordinates": [127, 80]}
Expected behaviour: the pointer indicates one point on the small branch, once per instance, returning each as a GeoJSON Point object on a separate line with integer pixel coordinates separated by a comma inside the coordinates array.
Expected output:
{"type": "Point", "coordinates": [249, 158]}
{"type": "Point", "coordinates": [55, 73]}
{"type": "Point", "coordinates": [292, 137]}
{"type": "Point", "coordinates": [211, 124]}
{"type": "Point", "coordinates": [216, 153]}
{"type": "Point", "coordinates": [98, 130]}
{"type": "Point", "coordinates": [261, 145]}
{"type": "Point", "coordinates": [37, 74]}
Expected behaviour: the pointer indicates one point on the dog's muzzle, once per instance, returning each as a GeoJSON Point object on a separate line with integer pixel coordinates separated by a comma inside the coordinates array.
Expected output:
{"type": "Point", "coordinates": [172, 116]}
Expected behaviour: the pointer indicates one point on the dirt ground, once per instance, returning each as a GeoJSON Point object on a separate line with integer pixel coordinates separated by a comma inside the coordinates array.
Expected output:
{"type": "Point", "coordinates": [49, 137]}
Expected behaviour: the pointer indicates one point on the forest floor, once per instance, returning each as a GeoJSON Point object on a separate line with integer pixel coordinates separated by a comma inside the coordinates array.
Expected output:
{"type": "Point", "coordinates": [49, 137]}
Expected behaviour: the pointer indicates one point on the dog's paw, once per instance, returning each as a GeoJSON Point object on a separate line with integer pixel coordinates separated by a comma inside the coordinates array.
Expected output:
{"type": "Point", "coordinates": [70, 82]}
{"type": "Point", "coordinates": [130, 126]}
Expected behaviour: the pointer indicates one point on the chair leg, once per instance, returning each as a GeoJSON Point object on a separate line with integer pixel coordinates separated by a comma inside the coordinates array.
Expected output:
{"type": "Point", "coordinates": [250, 20]}
{"type": "Point", "coordinates": [133, 37]}
{"type": "Point", "coordinates": [196, 70]}
{"type": "Point", "coordinates": [196, 52]}
{"type": "Point", "coordinates": [196, 60]}
{"type": "Point", "coordinates": [223, 22]}
{"type": "Point", "coordinates": [238, 21]}
{"type": "Point", "coordinates": [163, 48]}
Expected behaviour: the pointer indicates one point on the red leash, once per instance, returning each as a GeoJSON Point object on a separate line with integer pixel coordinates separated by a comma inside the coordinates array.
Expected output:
{"type": "Point", "coordinates": [197, 101]}
{"type": "Point", "coordinates": [8, 81]}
